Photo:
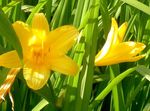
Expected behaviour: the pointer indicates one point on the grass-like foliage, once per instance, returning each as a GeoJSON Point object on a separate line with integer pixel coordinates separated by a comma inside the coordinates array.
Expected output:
{"type": "Point", "coordinates": [117, 78]}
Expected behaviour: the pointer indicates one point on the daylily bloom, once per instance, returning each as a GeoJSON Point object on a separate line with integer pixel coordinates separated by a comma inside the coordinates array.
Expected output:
{"type": "Point", "coordinates": [115, 50]}
{"type": "Point", "coordinates": [43, 51]}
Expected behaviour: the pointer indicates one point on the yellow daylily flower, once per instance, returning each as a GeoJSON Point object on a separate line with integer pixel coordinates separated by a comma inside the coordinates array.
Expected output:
{"type": "Point", "coordinates": [115, 50]}
{"type": "Point", "coordinates": [43, 51]}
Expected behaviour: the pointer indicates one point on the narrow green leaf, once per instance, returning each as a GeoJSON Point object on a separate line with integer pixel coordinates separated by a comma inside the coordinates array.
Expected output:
{"type": "Point", "coordinates": [91, 34]}
{"type": "Point", "coordinates": [147, 107]}
{"type": "Point", "coordinates": [40, 105]}
{"type": "Point", "coordinates": [57, 14]}
{"type": "Point", "coordinates": [78, 15]}
{"type": "Point", "coordinates": [105, 17]}
{"type": "Point", "coordinates": [133, 95]}
{"type": "Point", "coordinates": [48, 8]}
{"type": "Point", "coordinates": [36, 9]}
{"type": "Point", "coordinates": [7, 31]}
{"type": "Point", "coordinates": [144, 71]}
{"type": "Point", "coordinates": [110, 86]}
{"type": "Point", "coordinates": [9, 6]}
{"type": "Point", "coordinates": [138, 5]}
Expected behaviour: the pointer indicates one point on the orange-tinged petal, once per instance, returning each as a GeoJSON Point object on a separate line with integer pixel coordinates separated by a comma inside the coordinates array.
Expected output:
{"type": "Point", "coordinates": [10, 60]}
{"type": "Point", "coordinates": [62, 39]}
{"type": "Point", "coordinates": [40, 22]}
{"type": "Point", "coordinates": [121, 31]}
{"type": "Point", "coordinates": [24, 33]}
{"type": "Point", "coordinates": [6, 86]}
{"type": "Point", "coordinates": [36, 79]}
{"type": "Point", "coordinates": [64, 65]}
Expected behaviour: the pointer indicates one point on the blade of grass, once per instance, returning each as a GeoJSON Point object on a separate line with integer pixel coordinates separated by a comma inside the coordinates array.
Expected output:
{"type": "Point", "coordinates": [7, 31]}
{"type": "Point", "coordinates": [40, 105]}
{"type": "Point", "coordinates": [138, 5]}
{"type": "Point", "coordinates": [9, 6]}
{"type": "Point", "coordinates": [105, 17]}
{"type": "Point", "coordinates": [78, 15]}
{"type": "Point", "coordinates": [48, 8]}
{"type": "Point", "coordinates": [136, 91]}
{"type": "Point", "coordinates": [117, 92]}
{"type": "Point", "coordinates": [91, 34]}
{"type": "Point", "coordinates": [110, 86]}
{"type": "Point", "coordinates": [36, 9]}
{"type": "Point", "coordinates": [57, 14]}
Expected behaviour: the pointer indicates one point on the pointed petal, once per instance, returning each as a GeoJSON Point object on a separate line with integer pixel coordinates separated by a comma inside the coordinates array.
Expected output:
{"type": "Point", "coordinates": [64, 65]}
{"type": "Point", "coordinates": [117, 55]}
{"type": "Point", "coordinates": [136, 58]}
{"type": "Point", "coordinates": [108, 44]}
{"type": "Point", "coordinates": [129, 48]}
{"type": "Point", "coordinates": [121, 59]}
{"type": "Point", "coordinates": [40, 22]}
{"type": "Point", "coordinates": [35, 79]}
{"type": "Point", "coordinates": [24, 33]}
{"type": "Point", "coordinates": [115, 39]}
{"type": "Point", "coordinates": [62, 38]}
{"type": "Point", "coordinates": [10, 60]}
{"type": "Point", "coordinates": [121, 31]}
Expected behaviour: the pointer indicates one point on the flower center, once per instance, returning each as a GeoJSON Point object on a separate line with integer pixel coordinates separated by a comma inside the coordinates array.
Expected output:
{"type": "Point", "coordinates": [38, 50]}
{"type": "Point", "coordinates": [39, 55]}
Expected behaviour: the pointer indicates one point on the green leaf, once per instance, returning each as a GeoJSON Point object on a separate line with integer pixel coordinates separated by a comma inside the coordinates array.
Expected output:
{"type": "Point", "coordinates": [37, 8]}
{"type": "Point", "coordinates": [105, 17]}
{"type": "Point", "coordinates": [9, 6]}
{"type": "Point", "coordinates": [138, 5]}
{"type": "Point", "coordinates": [7, 31]}
{"type": "Point", "coordinates": [40, 105]}
{"type": "Point", "coordinates": [147, 107]}
{"type": "Point", "coordinates": [144, 71]}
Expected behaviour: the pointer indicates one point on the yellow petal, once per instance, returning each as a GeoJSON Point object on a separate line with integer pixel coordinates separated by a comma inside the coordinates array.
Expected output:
{"type": "Point", "coordinates": [40, 22]}
{"type": "Point", "coordinates": [107, 46]}
{"type": "Point", "coordinates": [136, 58]}
{"type": "Point", "coordinates": [64, 65]}
{"type": "Point", "coordinates": [117, 55]}
{"type": "Point", "coordinates": [111, 42]}
{"type": "Point", "coordinates": [24, 33]}
{"type": "Point", "coordinates": [121, 31]}
{"type": "Point", "coordinates": [35, 79]}
{"type": "Point", "coordinates": [127, 48]}
{"type": "Point", "coordinates": [62, 39]}
{"type": "Point", "coordinates": [110, 61]}
{"type": "Point", "coordinates": [10, 60]}
{"type": "Point", "coordinates": [115, 39]}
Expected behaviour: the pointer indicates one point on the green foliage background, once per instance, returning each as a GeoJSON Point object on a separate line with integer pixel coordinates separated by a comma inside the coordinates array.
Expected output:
{"type": "Point", "coordinates": [120, 87]}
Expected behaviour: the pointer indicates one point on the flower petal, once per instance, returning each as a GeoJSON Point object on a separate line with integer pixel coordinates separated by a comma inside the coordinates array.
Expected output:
{"type": "Point", "coordinates": [115, 39]}
{"type": "Point", "coordinates": [62, 39]}
{"type": "Point", "coordinates": [35, 79]}
{"type": "Point", "coordinates": [10, 60]}
{"type": "Point", "coordinates": [40, 22]}
{"type": "Point", "coordinates": [110, 61]}
{"type": "Point", "coordinates": [24, 33]}
{"type": "Point", "coordinates": [64, 65]}
{"type": "Point", "coordinates": [108, 44]}
{"type": "Point", "coordinates": [121, 31]}
{"type": "Point", "coordinates": [117, 55]}
{"type": "Point", "coordinates": [127, 48]}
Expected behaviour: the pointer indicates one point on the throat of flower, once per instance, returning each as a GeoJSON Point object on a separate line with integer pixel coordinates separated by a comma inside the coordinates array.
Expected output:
{"type": "Point", "coordinates": [38, 55]}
